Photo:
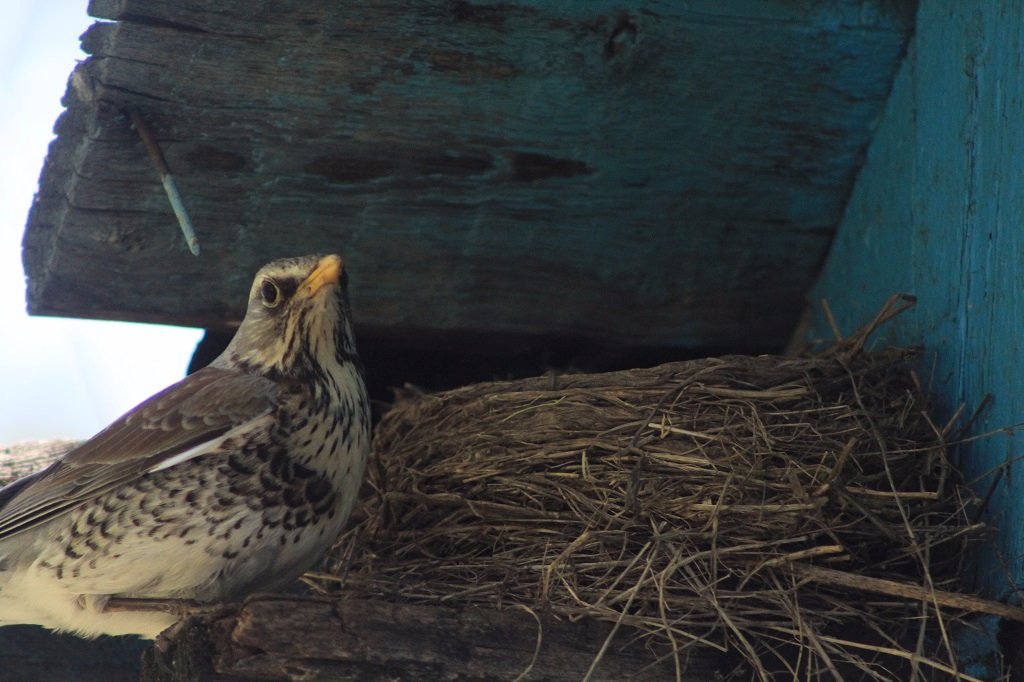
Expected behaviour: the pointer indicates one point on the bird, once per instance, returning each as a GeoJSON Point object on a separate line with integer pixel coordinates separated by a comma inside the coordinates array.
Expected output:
{"type": "Point", "coordinates": [233, 480]}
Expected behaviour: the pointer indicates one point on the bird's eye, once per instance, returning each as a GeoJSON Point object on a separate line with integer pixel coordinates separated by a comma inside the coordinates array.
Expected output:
{"type": "Point", "coordinates": [270, 293]}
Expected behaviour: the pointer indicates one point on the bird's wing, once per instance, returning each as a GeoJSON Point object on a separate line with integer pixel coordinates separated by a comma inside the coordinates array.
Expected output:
{"type": "Point", "coordinates": [183, 421]}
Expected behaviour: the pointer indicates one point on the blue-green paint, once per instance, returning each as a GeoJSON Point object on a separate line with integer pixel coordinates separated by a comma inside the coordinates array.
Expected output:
{"type": "Point", "coordinates": [938, 211]}
{"type": "Point", "coordinates": [629, 173]}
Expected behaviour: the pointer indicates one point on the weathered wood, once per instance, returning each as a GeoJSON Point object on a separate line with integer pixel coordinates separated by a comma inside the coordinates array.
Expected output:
{"type": "Point", "coordinates": [22, 459]}
{"type": "Point", "coordinates": [275, 637]}
{"type": "Point", "coordinates": [642, 172]}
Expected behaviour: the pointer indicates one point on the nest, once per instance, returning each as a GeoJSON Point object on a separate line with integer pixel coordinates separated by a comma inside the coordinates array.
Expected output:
{"type": "Point", "coordinates": [802, 512]}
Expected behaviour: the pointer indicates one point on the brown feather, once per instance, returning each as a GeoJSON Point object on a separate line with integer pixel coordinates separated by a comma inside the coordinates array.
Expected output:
{"type": "Point", "coordinates": [198, 409]}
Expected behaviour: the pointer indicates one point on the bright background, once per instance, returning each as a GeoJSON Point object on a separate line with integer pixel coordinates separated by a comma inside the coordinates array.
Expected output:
{"type": "Point", "coordinates": [58, 377]}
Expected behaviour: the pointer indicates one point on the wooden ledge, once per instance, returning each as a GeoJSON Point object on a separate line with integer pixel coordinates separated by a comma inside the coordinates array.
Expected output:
{"type": "Point", "coordinates": [273, 637]}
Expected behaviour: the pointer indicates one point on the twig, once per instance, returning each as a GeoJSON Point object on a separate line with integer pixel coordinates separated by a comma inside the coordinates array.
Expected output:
{"type": "Point", "coordinates": [615, 628]}
{"type": "Point", "coordinates": [804, 554]}
{"type": "Point", "coordinates": [893, 306]}
{"type": "Point", "coordinates": [536, 649]}
{"type": "Point", "coordinates": [892, 588]}
{"type": "Point", "coordinates": [830, 318]}
{"type": "Point", "coordinates": [890, 651]}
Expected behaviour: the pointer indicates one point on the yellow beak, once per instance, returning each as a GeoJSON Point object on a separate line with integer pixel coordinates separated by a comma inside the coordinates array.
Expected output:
{"type": "Point", "coordinates": [327, 271]}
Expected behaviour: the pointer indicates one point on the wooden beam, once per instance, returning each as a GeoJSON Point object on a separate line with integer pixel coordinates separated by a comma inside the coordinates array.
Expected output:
{"type": "Point", "coordinates": [280, 637]}
{"type": "Point", "coordinates": [660, 174]}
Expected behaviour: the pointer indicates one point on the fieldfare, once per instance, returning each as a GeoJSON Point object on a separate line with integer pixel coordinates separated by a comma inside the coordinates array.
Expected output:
{"type": "Point", "coordinates": [235, 479]}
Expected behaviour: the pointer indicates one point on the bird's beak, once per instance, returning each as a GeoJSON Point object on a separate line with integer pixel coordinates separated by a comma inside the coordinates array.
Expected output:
{"type": "Point", "coordinates": [327, 271]}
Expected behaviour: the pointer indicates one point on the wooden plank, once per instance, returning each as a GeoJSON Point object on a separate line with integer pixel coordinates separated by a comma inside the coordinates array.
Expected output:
{"type": "Point", "coordinates": [937, 212]}
{"type": "Point", "coordinates": [658, 174]}
{"type": "Point", "coordinates": [376, 640]}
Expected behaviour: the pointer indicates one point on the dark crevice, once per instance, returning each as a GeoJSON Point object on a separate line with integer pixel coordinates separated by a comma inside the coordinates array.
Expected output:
{"type": "Point", "coordinates": [159, 23]}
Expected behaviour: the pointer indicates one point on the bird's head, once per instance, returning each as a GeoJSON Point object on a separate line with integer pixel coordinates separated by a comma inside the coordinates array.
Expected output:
{"type": "Point", "coordinates": [297, 321]}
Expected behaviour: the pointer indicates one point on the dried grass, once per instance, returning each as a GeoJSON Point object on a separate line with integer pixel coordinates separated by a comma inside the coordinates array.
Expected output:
{"type": "Point", "coordinates": [801, 511]}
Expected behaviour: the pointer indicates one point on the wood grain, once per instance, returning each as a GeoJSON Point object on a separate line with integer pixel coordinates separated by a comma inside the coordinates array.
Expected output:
{"type": "Point", "coordinates": [650, 173]}
{"type": "Point", "coordinates": [937, 213]}
{"type": "Point", "coordinates": [376, 640]}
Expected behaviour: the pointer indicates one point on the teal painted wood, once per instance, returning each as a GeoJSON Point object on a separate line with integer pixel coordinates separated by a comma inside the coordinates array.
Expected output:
{"type": "Point", "coordinates": [654, 173]}
{"type": "Point", "coordinates": [938, 211]}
